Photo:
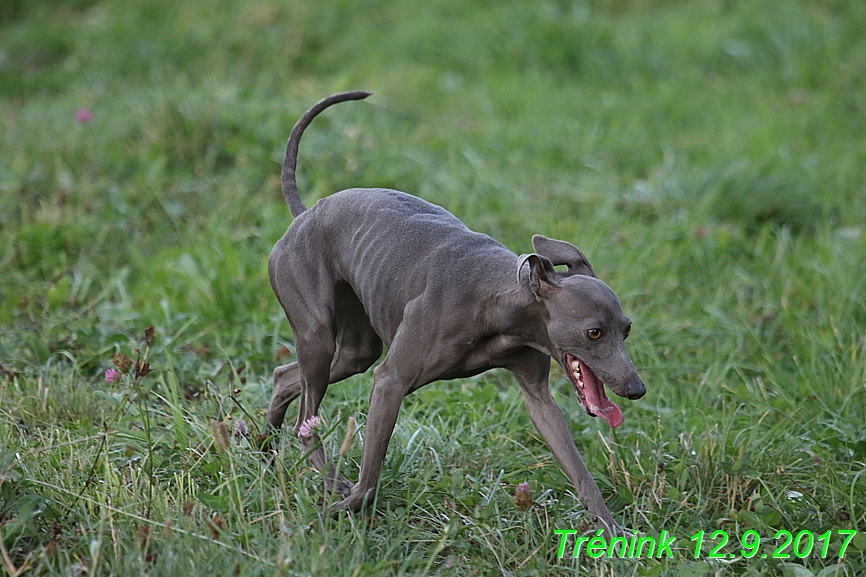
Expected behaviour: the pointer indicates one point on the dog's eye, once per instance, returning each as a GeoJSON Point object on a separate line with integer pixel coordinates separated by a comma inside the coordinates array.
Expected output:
{"type": "Point", "coordinates": [594, 334]}
{"type": "Point", "coordinates": [627, 332]}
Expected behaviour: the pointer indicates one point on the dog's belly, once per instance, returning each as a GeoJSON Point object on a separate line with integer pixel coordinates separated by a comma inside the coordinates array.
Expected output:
{"type": "Point", "coordinates": [482, 354]}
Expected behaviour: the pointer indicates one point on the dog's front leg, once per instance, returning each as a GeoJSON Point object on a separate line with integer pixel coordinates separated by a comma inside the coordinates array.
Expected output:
{"type": "Point", "coordinates": [385, 402]}
{"type": "Point", "coordinates": [532, 372]}
{"type": "Point", "coordinates": [548, 419]}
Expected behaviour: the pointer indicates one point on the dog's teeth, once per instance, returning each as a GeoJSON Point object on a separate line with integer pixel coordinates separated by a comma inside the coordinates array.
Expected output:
{"type": "Point", "coordinates": [575, 367]}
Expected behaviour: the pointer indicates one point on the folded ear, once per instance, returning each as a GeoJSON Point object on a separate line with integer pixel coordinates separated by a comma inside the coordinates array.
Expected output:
{"type": "Point", "coordinates": [561, 252]}
{"type": "Point", "coordinates": [542, 275]}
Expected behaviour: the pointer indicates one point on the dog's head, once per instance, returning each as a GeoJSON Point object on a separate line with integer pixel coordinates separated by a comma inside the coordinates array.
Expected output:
{"type": "Point", "coordinates": [586, 327]}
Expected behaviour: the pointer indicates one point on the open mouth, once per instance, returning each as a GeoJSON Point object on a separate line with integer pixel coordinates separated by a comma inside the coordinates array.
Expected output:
{"type": "Point", "coordinates": [590, 392]}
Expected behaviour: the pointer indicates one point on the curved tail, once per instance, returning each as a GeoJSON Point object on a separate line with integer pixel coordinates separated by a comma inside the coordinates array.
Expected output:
{"type": "Point", "coordinates": [290, 186]}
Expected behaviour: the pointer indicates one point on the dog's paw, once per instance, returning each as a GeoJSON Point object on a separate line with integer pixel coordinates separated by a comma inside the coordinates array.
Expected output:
{"type": "Point", "coordinates": [339, 485]}
{"type": "Point", "coordinates": [615, 530]}
{"type": "Point", "coordinates": [354, 502]}
{"type": "Point", "coordinates": [267, 443]}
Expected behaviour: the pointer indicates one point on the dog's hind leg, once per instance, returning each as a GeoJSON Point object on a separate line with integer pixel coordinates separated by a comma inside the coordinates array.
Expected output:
{"type": "Point", "coordinates": [358, 347]}
{"type": "Point", "coordinates": [287, 388]}
{"type": "Point", "coordinates": [314, 361]}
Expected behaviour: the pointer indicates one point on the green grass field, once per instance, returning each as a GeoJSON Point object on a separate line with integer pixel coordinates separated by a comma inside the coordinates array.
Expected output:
{"type": "Point", "coordinates": [707, 156]}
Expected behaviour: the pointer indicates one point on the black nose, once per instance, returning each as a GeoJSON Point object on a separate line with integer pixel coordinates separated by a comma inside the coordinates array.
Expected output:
{"type": "Point", "coordinates": [636, 389]}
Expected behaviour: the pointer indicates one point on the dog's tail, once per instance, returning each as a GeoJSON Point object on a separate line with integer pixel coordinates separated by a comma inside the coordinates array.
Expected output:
{"type": "Point", "coordinates": [290, 186]}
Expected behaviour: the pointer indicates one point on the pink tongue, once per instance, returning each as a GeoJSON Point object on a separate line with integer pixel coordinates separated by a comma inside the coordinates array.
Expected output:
{"type": "Point", "coordinates": [597, 401]}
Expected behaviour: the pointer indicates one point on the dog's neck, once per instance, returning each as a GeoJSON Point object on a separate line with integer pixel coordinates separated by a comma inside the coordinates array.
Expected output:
{"type": "Point", "coordinates": [517, 314]}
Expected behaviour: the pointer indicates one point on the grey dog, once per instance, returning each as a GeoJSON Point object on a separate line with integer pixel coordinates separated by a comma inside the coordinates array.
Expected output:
{"type": "Point", "coordinates": [368, 267]}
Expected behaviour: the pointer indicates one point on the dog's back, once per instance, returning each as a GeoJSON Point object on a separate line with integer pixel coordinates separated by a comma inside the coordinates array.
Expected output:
{"type": "Point", "coordinates": [370, 237]}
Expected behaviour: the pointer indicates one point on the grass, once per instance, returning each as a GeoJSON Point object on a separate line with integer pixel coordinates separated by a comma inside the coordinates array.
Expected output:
{"type": "Point", "coordinates": [706, 156]}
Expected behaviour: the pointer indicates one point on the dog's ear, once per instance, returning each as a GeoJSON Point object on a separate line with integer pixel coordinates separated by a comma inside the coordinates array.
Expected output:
{"type": "Point", "coordinates": [542, 275]}
{"type": "Point", "coordinates": [561, 252]}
